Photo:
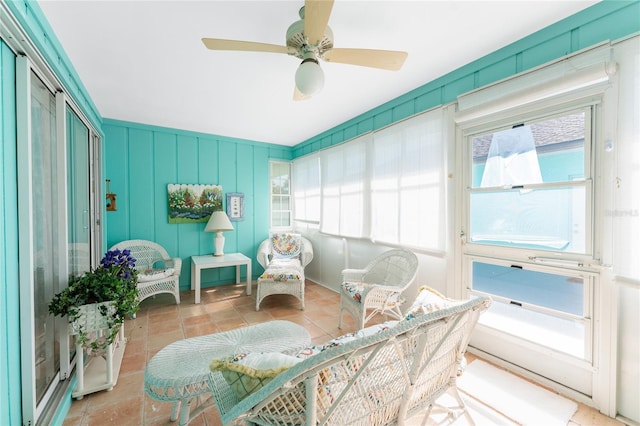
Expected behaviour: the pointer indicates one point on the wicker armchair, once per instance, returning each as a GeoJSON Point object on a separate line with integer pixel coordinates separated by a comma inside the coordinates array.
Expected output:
{"type": "Point", "coordinates": [378, 287]}
{"type": "Point", "coordinates": [157, 272]}
{"type": "Point", "coordinates": [283, 257]}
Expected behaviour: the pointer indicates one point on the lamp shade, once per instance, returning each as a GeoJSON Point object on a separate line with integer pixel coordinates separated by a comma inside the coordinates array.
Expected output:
{"type": "Point", "coordinates": [218, 222]}
{"type": "Point", "coordinates": [309, 77]}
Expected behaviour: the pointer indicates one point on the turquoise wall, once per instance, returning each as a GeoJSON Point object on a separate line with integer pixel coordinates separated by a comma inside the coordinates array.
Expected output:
{"type": "Point", "coordinates": [10, 402]}
{"type": "Point", "coordinates": [607, 20]}
{"type": "Point", "coordinates": [142, 160]}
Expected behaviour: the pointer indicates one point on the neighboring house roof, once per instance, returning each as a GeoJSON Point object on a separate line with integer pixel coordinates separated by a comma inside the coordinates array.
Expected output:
{"type": "Point", "coordinates": [550, 135]}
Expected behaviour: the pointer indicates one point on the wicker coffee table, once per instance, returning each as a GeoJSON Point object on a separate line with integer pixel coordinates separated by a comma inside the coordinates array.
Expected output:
{"type": "Point", "coordinates": [179, 373]}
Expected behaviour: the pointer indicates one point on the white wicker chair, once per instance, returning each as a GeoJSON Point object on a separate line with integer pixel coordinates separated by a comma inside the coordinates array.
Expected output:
{"type": "Point", "coordinates": [282, 276]}
{"type": "Point", "coordinates": [378, 287]}
{"type": "Point", "coordinates": [157, 272]}
{"type": "Point", "coordinates": [380, 378]}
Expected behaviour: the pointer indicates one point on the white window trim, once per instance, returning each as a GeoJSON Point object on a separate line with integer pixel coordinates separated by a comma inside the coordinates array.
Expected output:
{"type": "Point", "coordinates": [271, 195]}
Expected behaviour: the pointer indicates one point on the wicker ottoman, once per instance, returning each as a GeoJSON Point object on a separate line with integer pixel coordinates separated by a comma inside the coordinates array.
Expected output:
{"type": "Point", "coordinates": [283, 276]}
{"type": "Point", "coordinates": [179, 373]}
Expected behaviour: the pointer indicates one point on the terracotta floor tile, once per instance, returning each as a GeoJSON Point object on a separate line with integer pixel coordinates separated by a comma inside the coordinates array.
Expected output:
{"type": "Point", "coordinates": [134, 362]}
{"type": "Point", "coordinates": [257, 317]}
{"type": "Point", "coordinates": [204, 318]}
{"type": "Point", "coordinates": [159, 341]}
{"type": "Point", "coordinates": [230, 324]}
{"type": "Point", "coordinates": [124, 413]}
{"type": "Point", "coordinates": [200, 329]}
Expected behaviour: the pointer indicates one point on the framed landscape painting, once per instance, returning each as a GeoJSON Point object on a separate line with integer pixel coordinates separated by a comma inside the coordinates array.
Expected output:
{"type": "Point", "coordinates": [193, 203]}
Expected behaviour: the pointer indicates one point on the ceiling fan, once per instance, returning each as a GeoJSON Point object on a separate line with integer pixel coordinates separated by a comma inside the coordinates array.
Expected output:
{"type": "Point", "coordinates": [311, 40]}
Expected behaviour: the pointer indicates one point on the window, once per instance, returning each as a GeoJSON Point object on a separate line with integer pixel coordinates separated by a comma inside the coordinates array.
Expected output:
{"type": "Point", "coordinates": [531, 234]}
{"type": "Point", "coordinates": [280, 194]}
{"type": "Point", "coordinates": [542, 307]}
{"type": "Point", "coordinates": [529, 203]}
{"type": "Point", "coordinates": [407, 183]}
{"type": "Point", "coordinates": [343, 188]}
{"type": "Point", "coordinates": [306, 188]}
{"type": "Point", "coordinates": [529, 185]}
{"type": "Point", "coordinates": [387, 186]}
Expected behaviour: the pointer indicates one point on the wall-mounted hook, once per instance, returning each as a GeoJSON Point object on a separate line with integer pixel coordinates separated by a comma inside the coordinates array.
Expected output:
{"type": "Point", "coordinates": [111, 198]}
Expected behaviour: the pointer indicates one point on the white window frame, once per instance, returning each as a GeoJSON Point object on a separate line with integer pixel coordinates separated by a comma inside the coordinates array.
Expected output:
{"type": "Point", "coordinates": [289, 196]}
{"type": "Point", "coordinates": [578, 80]}
{"type": "Point", "coordinates": [590, 257]}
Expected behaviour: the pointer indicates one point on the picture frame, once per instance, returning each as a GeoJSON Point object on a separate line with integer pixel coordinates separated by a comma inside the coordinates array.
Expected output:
{"type": "Point", "coordinates": [235, 206]}
{"type": "Point", "coordinates": [193, 203]}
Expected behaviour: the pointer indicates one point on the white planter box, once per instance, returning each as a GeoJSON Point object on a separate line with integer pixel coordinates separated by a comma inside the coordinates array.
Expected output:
{"type": "Point", "coordinates": [100, 372]}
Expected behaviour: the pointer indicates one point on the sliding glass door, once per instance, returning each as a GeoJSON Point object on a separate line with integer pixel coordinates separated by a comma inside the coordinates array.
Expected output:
{"type": "Point", "coordinates": [58, 229]}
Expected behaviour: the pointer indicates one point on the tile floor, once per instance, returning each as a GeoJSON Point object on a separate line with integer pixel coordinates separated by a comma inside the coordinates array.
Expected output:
{"type": "Point", "coordinates": [160, 322]}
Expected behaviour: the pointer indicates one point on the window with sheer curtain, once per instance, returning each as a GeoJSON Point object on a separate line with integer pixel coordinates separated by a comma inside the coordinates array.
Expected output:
{"type": "Point", "coordinates": [407, 183]}
{"type": "Point", "coordinates": [388, 186]}
{"type": "Point", "coordinates": [343, 188]}
{"type": "Point", "coordinates": [306, 189]}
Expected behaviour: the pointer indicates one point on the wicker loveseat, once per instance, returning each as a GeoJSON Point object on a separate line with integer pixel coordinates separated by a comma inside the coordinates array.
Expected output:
{"type": "Point", "coordinates": [371, 378]}
{"type": "Point", "coordinates": [157, 272]}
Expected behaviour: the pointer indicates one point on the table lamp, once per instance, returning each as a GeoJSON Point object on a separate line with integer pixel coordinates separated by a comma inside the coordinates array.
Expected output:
{"type": "Point", "coordinates": [218, 222]}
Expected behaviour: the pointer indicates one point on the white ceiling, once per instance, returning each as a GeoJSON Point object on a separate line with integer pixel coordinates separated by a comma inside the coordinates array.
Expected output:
{"type": "Point", "coordinates": [143, 61]}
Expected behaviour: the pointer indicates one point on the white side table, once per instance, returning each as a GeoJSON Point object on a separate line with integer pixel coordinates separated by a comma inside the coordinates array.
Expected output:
{"type": "Point", "coordinates": [199, 263]}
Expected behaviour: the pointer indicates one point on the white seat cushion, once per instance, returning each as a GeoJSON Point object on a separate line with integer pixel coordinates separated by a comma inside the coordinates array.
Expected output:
{"type": "Point", "coordinates": [154, 274]}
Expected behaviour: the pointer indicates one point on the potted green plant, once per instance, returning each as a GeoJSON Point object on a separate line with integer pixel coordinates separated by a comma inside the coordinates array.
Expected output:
{"type": "Point", "coordinates": [99, 300]}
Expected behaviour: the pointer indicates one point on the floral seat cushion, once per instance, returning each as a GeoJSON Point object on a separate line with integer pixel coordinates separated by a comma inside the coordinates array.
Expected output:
{"type": "Point", "coordinates": [286, 245]}
{"type": "Point", "coordinates": [430, 300]}
{"type": "Point", "coordinates": [345, 338]}
{"type": "Point", "coordinates": [354, 290]}
{"type": "Point", "coordinates": [283, 270]}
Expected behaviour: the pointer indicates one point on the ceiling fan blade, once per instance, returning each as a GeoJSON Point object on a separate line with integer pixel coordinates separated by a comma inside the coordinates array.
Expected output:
{"type": "Point", "coordinates": [316, 18]}
{"type": "Point", "coordinates": [250, 46]}
{"type": "Point", "coordinates": [385, 59]}
{"type": "Point", "coordinates": [298, 95]}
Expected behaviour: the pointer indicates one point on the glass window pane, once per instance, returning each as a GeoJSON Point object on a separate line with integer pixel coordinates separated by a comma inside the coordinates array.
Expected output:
{"type": "Point", "coordinates": [45, 228]}
{"type": "Point", "coordinates": [78, 194]}
{"type": "Point", "coordinates": [562, 334]}
{"type": "Point", "coordinates": [275, 203]}
{"type": "Point", "coordinates": [276, 219]}
{"type": "Point", "coordinates": [518, 292]}
{"type": "Point", "coordinates": [546, 151]}
{"type": "Point", "coordinates": [286, 218]}
{"type": "Point", "coordinates": [549, 219]}
{"type": "Point", "coordinates": [552, 291]}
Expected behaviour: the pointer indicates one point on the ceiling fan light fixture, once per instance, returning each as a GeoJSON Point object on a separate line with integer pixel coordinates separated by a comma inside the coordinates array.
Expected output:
{"type": "Point", "coordinates": [309, 77]}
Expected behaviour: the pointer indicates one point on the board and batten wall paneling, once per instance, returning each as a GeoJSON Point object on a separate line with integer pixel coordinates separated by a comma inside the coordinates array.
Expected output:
{"type": "Point", "coordinates": [141, 160]}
